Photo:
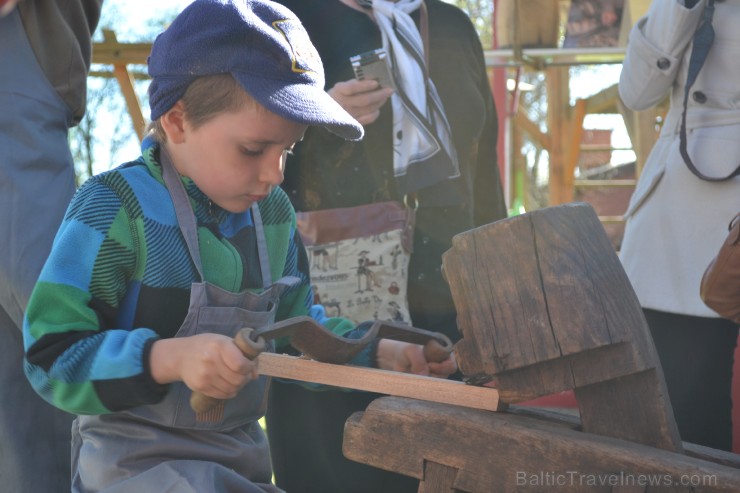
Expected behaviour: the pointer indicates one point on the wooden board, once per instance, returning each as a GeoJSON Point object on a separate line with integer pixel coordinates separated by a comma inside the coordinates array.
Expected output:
{"type": "Point", "coordinates": [380, 381]}
{"type": "Point", "coordinates": [482, 452]}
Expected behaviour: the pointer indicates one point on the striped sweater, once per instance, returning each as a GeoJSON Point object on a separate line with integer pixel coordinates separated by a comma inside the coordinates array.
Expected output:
{"type": "Point", "coordinates": [118, 278]}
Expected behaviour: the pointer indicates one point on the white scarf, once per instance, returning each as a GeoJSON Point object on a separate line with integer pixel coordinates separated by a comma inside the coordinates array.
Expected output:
{"type": "Point", "coordinates": [422, 141]}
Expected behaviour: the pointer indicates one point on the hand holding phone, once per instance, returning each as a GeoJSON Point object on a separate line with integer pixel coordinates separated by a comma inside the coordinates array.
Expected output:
{"type": "Point", "coordinates": [373, 65]}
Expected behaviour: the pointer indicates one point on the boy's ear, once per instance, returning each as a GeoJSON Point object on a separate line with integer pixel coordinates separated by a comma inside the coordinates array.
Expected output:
{"type": "Point", "coordinates": [173, 123]}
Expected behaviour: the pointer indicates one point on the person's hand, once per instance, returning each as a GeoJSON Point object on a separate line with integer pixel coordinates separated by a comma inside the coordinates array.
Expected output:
{"type": "Point", "coordinates": [361, 98]}
{"type": "Point", "coordinates": [409, 358]}
{"type": "Point", "coordinates": [207, 363]}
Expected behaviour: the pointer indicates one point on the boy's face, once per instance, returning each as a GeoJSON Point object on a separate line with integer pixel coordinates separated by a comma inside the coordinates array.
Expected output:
{"type": "Point", "coordinates": [236, 158]}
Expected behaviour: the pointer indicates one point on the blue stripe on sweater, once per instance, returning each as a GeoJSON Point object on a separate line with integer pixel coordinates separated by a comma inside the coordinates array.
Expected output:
{"type": "Point", "coordinates": [119, 354]}
{"type": "Point", "coordinates": [75, 244]}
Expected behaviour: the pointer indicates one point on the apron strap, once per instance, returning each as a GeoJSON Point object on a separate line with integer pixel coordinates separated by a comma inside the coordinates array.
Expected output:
{"type": "Point", "coordinates": [183, 209]}
{"type": "Point", "coordinates": [285, 282]}
{"type": "Point", "coordinates": [262, 247]}
{"type": "Point", "coordinates": [189, 228]}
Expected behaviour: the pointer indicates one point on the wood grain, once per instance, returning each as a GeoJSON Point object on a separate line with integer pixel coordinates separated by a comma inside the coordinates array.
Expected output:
{"type": "Point", "coordinates": [544, 305]}
{"type": "Point", "coordinates": [380, 381]}
{"type": "Point", "coordinates": [502, 452]}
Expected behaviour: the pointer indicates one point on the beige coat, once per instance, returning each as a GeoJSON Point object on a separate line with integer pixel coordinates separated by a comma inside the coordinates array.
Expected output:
{"type": "Point", "coordinates": [677, 222]}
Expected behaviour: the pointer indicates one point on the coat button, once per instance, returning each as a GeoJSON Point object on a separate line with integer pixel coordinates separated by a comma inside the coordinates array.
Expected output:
{"type": "Point", "coordinates": [663, 63]}
{"type": "Point", "coordinates": [699, 97]}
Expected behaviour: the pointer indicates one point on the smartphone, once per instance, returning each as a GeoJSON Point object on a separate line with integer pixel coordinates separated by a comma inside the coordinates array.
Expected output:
{"type": "Point", "coordinates": [373, 65]}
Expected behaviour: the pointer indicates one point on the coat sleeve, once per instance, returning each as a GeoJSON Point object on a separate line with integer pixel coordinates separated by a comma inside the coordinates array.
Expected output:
{"type": "Point", "coordinates": [656, 47]}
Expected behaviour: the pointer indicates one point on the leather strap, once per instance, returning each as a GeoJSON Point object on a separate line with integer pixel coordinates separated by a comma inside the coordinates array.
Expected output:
{"type": "Point", "coordinates": [703, 39]}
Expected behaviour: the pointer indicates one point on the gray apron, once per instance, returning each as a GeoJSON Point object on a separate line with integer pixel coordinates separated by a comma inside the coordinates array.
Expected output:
{"type": "Point", "coordinates": [36, 185]}
{"type": "Point", "coordinates": [162, 447]}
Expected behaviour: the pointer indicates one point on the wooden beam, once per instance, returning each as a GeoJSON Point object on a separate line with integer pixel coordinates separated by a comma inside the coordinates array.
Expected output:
{"type": "Point", "coordinates": [112, 52]}
{"type": "Point", "coordinates": [558, 123]}
{"type": "Point", "coordinates": [541, 139]}
{"type": "Point", "coordinates": [126, 82]}
{"type": "Point", "coordinates": [625, 183]}
{"type": "Point", "coordinates": [505, 453]}
{"type": "Point", "coordinates": [573, 149]}
{"type": "Point", "coordinates": [604, 101]}
{"type": "Point", "coordinates": [380, 381]}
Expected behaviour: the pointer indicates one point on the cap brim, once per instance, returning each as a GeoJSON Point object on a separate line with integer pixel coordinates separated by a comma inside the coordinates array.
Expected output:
{"type": "Point", "coordinates": [303, 103]}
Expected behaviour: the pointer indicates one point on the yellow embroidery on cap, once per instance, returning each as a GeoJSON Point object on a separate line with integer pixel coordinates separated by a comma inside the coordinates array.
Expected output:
{"type": "Point", "coordinates": [305, 51]}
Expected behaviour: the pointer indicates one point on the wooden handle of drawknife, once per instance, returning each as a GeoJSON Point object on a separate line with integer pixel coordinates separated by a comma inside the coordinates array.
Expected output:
{"type": "Point", "coordinates": [202, 403]}
{"type": "Point", "coordinates": [434, 352]}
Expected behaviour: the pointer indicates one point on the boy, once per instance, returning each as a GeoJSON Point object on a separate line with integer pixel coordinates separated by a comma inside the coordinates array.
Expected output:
{"type": "Point", "coordinates": [160, 261]}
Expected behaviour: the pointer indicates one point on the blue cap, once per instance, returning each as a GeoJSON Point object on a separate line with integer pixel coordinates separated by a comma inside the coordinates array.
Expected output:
{"type": "Point", "coordinates": [262, 45]}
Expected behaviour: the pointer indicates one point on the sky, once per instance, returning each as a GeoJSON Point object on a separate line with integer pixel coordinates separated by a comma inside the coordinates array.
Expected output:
{"type": "Point", "coordinates": [132, 21]}
{"type": "Point", "coordinates": [140, 20]}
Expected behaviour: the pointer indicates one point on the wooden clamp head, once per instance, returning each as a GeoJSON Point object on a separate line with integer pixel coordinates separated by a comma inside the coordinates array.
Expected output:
{"type": "Point", "coordinates": [544, 305]}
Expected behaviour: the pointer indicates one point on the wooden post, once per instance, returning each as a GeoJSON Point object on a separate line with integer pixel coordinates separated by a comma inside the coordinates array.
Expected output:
{"type": "Point", "coordinates": [558, 121]}
{"type": "Point", "coordinates": [544, 305]}
{"type": "Point", "coordinates": [573, 149]}
{"type": "Point", "coordinates": [126, 82]}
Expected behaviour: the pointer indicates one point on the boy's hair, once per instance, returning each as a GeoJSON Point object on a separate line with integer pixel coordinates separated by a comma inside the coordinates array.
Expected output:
{"type": "Point", "coordinates": [206, 97]}
{"type": "Point", "coordinates": [262, 45]}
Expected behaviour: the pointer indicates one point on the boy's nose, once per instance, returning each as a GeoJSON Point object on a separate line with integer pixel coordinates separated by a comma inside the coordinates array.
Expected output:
{"type": "Point", "coordinates": [271, 172]}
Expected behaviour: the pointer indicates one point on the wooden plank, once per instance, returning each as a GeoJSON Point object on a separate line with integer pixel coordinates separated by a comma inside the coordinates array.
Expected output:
{"type": "Point", "coordinates": [126, 83]}
{"type": "Point", "coordinates": [505, 453]}
{"type": "Point", "coordinates": [380, 381]}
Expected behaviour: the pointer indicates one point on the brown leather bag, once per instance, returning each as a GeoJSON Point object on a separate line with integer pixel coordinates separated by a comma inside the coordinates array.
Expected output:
{"type": "Point", "coordinates": [720, 286]}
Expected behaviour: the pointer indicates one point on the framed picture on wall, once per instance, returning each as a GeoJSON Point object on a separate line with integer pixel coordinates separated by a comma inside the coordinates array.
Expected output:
{"type": "Point", "coordinates": [593, 23]}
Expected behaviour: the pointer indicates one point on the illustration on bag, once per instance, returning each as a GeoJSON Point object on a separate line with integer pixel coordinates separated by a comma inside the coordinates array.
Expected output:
{"type": "Point", "coordinates": [361, 279]}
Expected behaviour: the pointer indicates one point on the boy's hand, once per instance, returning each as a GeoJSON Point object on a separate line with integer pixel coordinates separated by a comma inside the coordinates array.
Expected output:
{"type": "Point", "coordinates": [208, 363]}
{"type": "Point", "coordinates": [361, 98]}
{"type": "Point", "coordinates": [409, 358]}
